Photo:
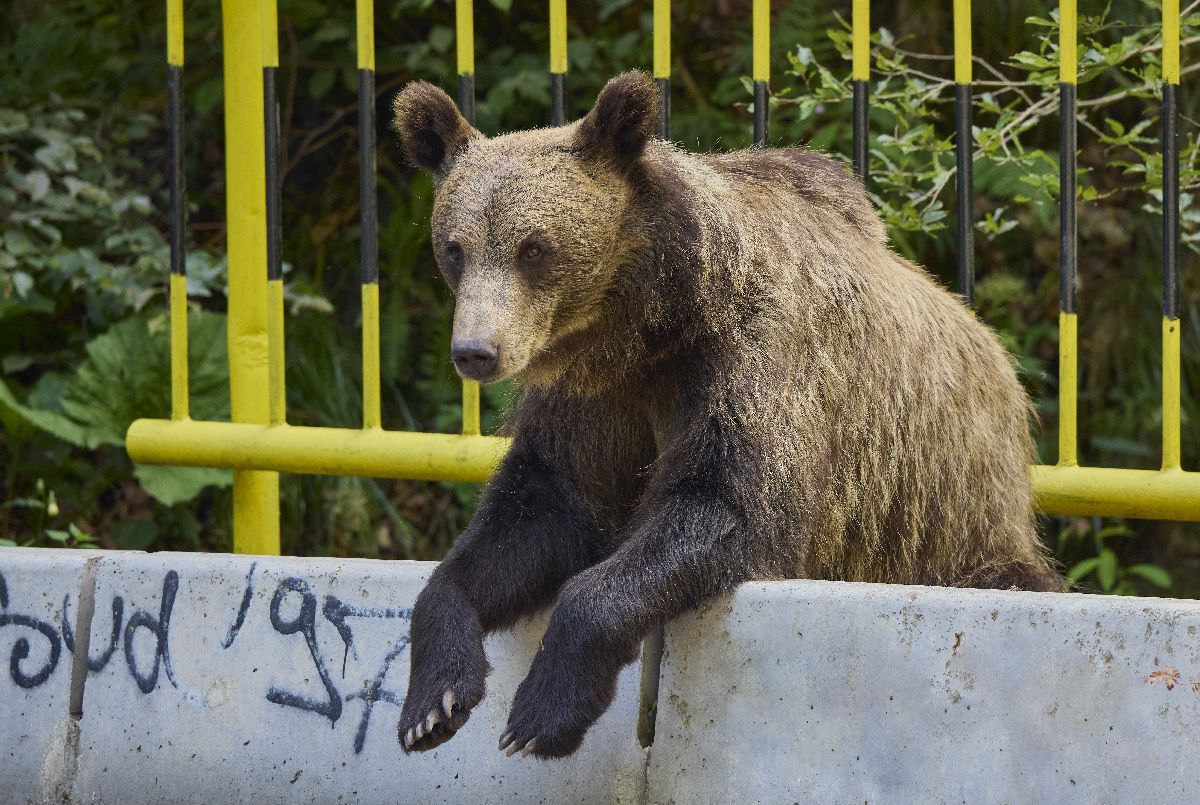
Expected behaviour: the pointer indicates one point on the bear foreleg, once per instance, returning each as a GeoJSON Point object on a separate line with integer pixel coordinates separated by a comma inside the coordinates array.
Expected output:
{"type": "Point", "coordinates": [530, 533]}
{"type": "Point", "coordinates": [683, 551]}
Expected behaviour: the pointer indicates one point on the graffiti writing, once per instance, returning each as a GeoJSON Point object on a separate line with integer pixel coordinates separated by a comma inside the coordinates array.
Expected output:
{"type": "Point", "coordinates": [143, 636]}
{"type": "Point", "coordinates": [21, 649]}
{"type": "Point", "coordinates": [304, 623]}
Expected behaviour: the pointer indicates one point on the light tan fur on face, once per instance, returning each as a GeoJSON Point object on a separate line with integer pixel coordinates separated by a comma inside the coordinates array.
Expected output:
{"type": "Point", "coordinates": [490, 202]}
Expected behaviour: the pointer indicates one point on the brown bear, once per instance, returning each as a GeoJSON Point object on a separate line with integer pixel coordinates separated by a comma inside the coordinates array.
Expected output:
{"type": "Point", "coordinates": [725, 374]}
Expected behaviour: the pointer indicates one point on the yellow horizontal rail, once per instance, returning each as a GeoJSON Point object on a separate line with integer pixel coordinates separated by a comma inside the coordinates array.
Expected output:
{"type": "Point", "coordinates": [370, 453]}
{"type": "Point", "coordinates": [1170, 494]}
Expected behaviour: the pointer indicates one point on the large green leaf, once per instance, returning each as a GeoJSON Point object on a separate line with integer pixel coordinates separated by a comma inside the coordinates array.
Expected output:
{"type": "Point", "coordinates": [127, 376]}
{"type": "Point", "coordinates": [172, 485]}
{"type": "Point", "coordinates": [21, 419]}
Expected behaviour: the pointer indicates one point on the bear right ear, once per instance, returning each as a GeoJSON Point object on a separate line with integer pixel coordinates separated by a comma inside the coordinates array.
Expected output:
{"type": "Point", "coordinates": [429, 125]}
{"type": "Point", "coordinates": [622, 121]}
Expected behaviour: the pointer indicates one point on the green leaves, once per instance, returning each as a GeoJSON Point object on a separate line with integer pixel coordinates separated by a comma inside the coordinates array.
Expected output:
{"type": "Point", "coordinates": [127, 375]}
{"type": "Point", "coordinates": [1106, 568]}
{"type": "Point", "coordinates": [912, 95]}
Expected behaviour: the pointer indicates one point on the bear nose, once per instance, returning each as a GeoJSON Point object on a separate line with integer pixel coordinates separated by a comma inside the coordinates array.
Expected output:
{"type": "Point", "coordinates": [475, 359]}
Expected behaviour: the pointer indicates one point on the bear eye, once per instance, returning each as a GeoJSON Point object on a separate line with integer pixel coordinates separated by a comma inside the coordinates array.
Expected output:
{"type": "Point", "coordinates": [453, 252]}
{"type": "Point", "coordinates": [532, 251]}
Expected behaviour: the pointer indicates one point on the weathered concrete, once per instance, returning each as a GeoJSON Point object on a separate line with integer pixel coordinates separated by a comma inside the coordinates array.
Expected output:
{"type": "Point", "coordinates": [39, 603]}
{"type": "Point", "coordinates": [236, 679]}
{"type": "Point", "coordinates": [832, 692]}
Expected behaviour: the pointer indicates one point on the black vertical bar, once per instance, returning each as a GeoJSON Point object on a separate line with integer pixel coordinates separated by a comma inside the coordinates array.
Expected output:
{"type": "Point", "coordinates": [466, 97]}
{"type": "Point", "coordinates": [761, 96]}
{"type": "Point", "coordinates": [177, 183]}
{"type": "Point", "coordinates": [664, 108]}
{"type": "Point", "coordinates": [1067, 240]}
{"type": "Point", "coordinates": [558, 99]}
{"type": "Point", "coordinates": [271, 132]}
{"type": "Point", "coordinates": [369, 216]}
{"type": "Point", "coordinates": [1170, 155]}
{"type": "Point", "coordinates": [861, 101]}
{"type": "Point", "coordinates": [964, 148]}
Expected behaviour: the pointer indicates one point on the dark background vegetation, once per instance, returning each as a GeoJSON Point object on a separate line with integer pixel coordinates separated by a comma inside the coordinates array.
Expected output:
{"type": "Point", "coordinates": [83, 256]}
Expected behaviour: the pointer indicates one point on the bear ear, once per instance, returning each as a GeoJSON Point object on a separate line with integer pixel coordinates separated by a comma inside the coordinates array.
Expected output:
{"type": "Point", "coordinates": [429, 126]}
{"type": "Point", "coordinates": [622, 121]}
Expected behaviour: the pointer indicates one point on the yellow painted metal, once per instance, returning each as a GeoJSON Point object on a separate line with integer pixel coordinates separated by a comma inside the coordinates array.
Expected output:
{"type": "Point", "coordinates": [270, 33]}
{"type": "Point", "coordinates": [255, 494]}
{"type": "Point", "coordinates": [662, 38]}
{"type": "Point", "coordinates": [1067, 58]}
{"type": "Point", "coordinates": [1167, 494]}
{"type": "Point", "coordinates": [470, 406]}
{"type": "Point", "coordinates": [370, 355]}
{"type": "Point", "coordinates": [464, 22]}
{"type": "Point", "coordinates": [1170, 53]}
{"type": "Point", "coordinates": [1170, 391]}
{"type": "Point", "coordinates": [761, 68]}
{"type": "Point", "coordinates": [316, 451]}
{"type": "Point", "coordinates": [860, 69]}
{"type": "Point", "coordinates": [464, 19]}
{"type": "Point", "coordinates": [276, 362]}
{"type": "Point", "coordinates": [179, 347]}
{"type": "Point", "coordinates": [1068, 384]}
{"type": "Point", "coordinates": [962, 41]}
{"type": "Point", "coordinates": [558, 36]}
{"type": "Point", "coordinates": [364, 19]}
{"type": "Point", "coordinates": [1102, 491]}
{"type": "Point", "coordinates": [175, 33]}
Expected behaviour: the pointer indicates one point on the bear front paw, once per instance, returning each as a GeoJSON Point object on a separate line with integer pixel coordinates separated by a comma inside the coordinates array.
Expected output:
{"type": "Point", "coordinates": [552, 712]}
{"type": "Point", "coordinates": [439, 701]}
{"type": "Point", "coordinates": [420, 733]}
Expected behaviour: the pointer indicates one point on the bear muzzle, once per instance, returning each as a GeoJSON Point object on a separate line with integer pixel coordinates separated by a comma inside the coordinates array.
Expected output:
{"type": "Point", "coordinates": [475, 360]}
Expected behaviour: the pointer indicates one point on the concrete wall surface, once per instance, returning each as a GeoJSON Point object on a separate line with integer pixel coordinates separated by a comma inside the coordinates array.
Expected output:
{"type": "Point", "coordinates": [848, 693]}
{"type": "Point", "coordinates": [219, 679]}
{"type": "Point", "coordinates": [213, 678]}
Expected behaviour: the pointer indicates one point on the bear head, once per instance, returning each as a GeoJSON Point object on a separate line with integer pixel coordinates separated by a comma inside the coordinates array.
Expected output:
{"type": "Point", "coordinates": [529, 229]}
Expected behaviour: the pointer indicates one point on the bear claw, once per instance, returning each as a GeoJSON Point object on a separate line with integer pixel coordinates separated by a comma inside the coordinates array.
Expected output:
{"type": "Point", "coordinates": [439, 724]}
{"type": "Point", "coordinates": [513, 745]}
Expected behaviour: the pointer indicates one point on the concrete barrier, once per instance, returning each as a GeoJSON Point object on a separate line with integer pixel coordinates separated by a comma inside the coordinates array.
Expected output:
{"type": "Point", "coordinates": [280, 680]}
{"type": "Point", "coordinates": [216, 678]}
{"type": "Point", "coordinates": [833, 692]}
{"type": "Point", "coordinates": [39, 601]}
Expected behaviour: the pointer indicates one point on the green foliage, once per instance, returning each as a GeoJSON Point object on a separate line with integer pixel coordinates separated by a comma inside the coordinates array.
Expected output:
{"type": "Point", "coordinates": [912, 159]}
{"type": "Point", "coordinates": [1107, 567]}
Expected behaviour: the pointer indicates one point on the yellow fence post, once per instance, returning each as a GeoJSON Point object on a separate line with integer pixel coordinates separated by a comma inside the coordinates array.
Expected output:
{"type": "Point", "coordinates": [255, 494]}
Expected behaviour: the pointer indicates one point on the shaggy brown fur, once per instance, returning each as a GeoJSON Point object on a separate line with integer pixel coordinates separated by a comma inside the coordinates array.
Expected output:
{"type": "Point", "coordinates": [727, 375]}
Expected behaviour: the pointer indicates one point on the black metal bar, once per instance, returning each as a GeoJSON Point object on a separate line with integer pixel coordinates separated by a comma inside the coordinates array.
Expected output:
{"type": "Point", "coordinates": [761, 96]}
{"type": "Point", "coordinates": [368, 203]}
{"type": "Point", "coordinates": [274, 220]}
{"type": "Point", "coordinates": [861, 106]}
{"type": "Point", "coordinates": [558, 99]}
{"type": "Point", "coordinates": [1067, 240]}
{"type": "Point", "coordinates": [964, 148]}
{"type": "Point", "coordinates": [466, 97]}
{"type": "Point", "coordinates": [664, 108]}
{"type": "Point", "coordinates": [177, 180]}
{"type": "Point", "coordinates": [1170, 156]}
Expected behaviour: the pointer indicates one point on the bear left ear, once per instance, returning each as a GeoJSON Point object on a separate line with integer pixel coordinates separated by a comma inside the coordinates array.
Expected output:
{"type": "Point", "coordinates": [430, 128]}
{"type": "Point", "coordinates": [622, 121]}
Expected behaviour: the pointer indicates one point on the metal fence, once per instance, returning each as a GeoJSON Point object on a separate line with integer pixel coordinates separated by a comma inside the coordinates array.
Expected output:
{"type": "Point", "coordinates": [258, 444]}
